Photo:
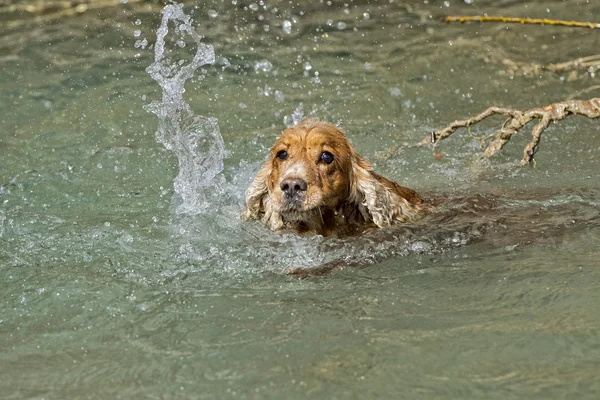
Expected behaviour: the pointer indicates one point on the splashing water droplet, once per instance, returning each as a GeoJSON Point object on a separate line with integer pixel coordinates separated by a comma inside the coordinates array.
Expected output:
{"type": "Point", "coordinates": [287, 27]}
{"type": "Point", "coordinates": [296, 117]}
{"type": "Point", "coordinates": [263, 65]}
{"type": "Point", "coordinates": [195, 140]}
{"type": "Point", "coordinates": [140, 43]}
{"type": "Point", "coordinates": [279, 96]}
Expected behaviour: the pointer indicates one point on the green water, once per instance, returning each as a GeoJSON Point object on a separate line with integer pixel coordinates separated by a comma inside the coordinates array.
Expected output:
{"type": "Point", "coordinates": [105, 292]}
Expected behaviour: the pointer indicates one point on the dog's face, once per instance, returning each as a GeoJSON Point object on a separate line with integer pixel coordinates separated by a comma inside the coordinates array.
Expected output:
{"type": "Point", "coordinates": [311, 167]}
{"type": "Point", "coordinates": [314, 180]}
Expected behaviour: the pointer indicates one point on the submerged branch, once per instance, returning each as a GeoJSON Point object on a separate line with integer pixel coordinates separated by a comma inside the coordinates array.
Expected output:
{"type": "Point", "coordinates": [535, 21]}
{"type": "Point", "coordinates": [578, 63]}
{"type": "Point", "coordinates": [517, 120]}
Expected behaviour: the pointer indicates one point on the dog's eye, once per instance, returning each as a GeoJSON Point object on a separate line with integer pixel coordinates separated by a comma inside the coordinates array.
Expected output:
{"type": "Point", "coordinates": [282, 154]}
{"type": "Point", "coordinates": [326, 157]}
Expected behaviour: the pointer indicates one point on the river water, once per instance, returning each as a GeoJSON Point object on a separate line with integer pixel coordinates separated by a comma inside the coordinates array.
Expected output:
{"type": "Point", "coordinates": [122, 275]}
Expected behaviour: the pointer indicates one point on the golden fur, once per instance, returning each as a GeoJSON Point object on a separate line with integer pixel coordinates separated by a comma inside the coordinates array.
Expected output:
{"type": "Point", "coordinates": [314, 181]}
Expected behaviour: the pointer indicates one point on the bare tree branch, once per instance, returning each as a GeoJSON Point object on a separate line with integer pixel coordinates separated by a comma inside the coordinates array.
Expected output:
{"type": "Point", "coordinates": [517, 120]}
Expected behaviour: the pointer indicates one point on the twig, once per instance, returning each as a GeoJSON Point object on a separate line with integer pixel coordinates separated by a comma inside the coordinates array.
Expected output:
{"type": "Point", "coordinates": [578, 63]}
{"type": "Point", "coordinates": [517, 120]}
{"type": "Point", "coordinates": [583, 91]}
{"type": "Point", "coordinates": [555, 22]}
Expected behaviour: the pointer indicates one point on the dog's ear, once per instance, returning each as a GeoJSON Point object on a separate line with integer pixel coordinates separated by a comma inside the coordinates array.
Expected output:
{"type": "Point", "coordinates": [257, 194]}
{"type": "Point", "coordinates": [378, 199]}
{"type": "Point", "coordinates": [258, 201]}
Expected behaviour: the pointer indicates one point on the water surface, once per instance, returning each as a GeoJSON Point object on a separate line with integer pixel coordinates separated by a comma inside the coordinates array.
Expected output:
{"type": "Point", "coordinates": [109, 292]}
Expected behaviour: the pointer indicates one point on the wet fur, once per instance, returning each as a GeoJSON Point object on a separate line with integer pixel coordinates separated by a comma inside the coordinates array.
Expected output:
{"type": "Point", "coordinates": [346, 197]}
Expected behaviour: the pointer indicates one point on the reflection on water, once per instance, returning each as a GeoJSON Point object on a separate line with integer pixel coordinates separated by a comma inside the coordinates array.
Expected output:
{"type": "Point", "coordinates": [110, 290]}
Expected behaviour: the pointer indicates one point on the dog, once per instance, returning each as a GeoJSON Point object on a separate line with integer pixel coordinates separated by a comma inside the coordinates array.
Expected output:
{"type": "Point", "coordinates": [314, 182]}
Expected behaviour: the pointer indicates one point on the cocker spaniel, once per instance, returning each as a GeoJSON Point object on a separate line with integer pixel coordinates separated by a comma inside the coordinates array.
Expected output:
{"type": "Point", "coordinates": [315, 182]}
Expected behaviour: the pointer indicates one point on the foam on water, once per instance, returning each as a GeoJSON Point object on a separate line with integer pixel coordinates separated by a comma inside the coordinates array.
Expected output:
{"type": "Point", "coordinates": [195, 140]}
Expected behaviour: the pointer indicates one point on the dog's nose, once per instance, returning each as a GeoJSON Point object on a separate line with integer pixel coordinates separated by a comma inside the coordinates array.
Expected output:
{"type": "Point", "coordinates": [292, 186]}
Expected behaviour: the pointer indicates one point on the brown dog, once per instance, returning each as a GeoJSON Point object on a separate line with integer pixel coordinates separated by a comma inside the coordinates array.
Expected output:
{"type": "Point", "coordinates": [315, 182]}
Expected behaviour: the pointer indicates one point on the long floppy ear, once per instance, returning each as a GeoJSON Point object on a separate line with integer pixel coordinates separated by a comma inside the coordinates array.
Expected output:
{"type": "Point", "coordinates": [377, 198]}
{"type": "Point", "coordinates": [258, 201]}
{"type": "Point", "coordinates": [257, 194]}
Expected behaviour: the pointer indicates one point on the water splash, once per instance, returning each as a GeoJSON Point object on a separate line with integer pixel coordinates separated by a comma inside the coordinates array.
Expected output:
{"type": "Point", "coordinates": [195, 140]}
{"type": "Point", "coordinates": [296, 117]}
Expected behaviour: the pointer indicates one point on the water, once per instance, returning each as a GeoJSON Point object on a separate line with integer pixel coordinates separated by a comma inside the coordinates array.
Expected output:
{"type": "Point", "coordinates": [126, 272]}
{"type": "Point", "coordinates": [196, 140]}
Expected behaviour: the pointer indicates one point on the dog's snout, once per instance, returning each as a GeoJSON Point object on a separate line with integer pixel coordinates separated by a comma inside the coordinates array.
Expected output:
{"type": "Point", "coordinates": [292, 186]}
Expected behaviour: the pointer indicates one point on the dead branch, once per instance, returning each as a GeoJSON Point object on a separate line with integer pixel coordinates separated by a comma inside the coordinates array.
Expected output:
{"type": "Point", "coordinates": [555, 22]}
{"type": "Point", "coordinates": [579, 63]}
{"type": "Point", "coordinates": [517, 120]}
{"type": "Point", "coordinates": [589, 64]}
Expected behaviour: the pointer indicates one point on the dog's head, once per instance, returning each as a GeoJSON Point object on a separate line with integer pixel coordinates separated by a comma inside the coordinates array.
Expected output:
{"type": "Point", "coordinates": [313, 170]}
{"type": "Point", "coordinates": [311, 167]}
